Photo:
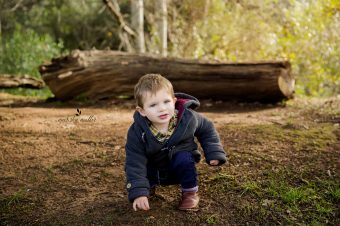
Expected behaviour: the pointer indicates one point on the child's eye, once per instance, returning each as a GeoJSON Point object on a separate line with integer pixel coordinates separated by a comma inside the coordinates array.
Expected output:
{"type": "Point", "coordinates": [167, 101]}
{"type": "Point", "coordinates": [152, 105]}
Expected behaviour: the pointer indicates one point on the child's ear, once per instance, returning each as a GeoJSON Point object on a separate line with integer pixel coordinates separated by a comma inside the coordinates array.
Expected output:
{"type": "Point", "coordinates": [141, 111]}
{"type": "Point", "coordinates": [175, 99]}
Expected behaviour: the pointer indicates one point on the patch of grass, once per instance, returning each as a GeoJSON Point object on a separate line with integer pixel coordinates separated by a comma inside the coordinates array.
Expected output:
{"type": "Point", "coordinates": [296, 195]}
{"type": "Point", "coordinates": [75, 165]}
{"type": "Point", "coordinates": [14, 198]}
{"type": "Point", "coordinates": [251, 187]}
{"type": "Point", "coordinates": [59, 103]}
{"type": "Point", "coordinates": [81, 98]}
{"type": "Point", "coordinates": [124, 97]}
{"type": "Point", "coordinates": [73, 136]}
{"type": "Point", "coordinates": [280, 197]}
{"type": "Point", "coordinates": [78, 162]}
{"type": "Point", "coordinates": [335, 194]}
{"type": "Point", "coordinates": [252, 212]}
{"type": "Point", "coordinates": [306, 202]}
{"type": "Point", "coordinates": [104, 174]}
{"type": "Point", "coordinates": [13, 206]}
{"type": "Point", "coordinates": [315, 138]}
{"type": "Point", "coordinates": [50, 173]}
{"type": "Point", "coordinates": [324, 208]}
{"type": "Point", "coordinates": [43, 93]}
{"type": "Point", "coordinates": [33, 178]}
{"type": "Point", "coordinates": [221, 177]}
{"type": "Point", "coordinates": [221, 181]}
{"type": "Point", "coordinates": [212, 219]}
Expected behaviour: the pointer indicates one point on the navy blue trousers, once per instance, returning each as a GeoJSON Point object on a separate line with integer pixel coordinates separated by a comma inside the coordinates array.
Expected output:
{"type": "Point", "coordinates": [180, 170]}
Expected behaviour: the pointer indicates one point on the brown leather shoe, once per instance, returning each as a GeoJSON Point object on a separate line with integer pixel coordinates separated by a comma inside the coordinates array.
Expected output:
{"type": "Point", "coordinates": [189, 201]}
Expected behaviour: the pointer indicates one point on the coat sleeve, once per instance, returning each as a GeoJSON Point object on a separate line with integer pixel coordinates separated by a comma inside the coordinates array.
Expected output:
{"type": "Point", "coordinates": [135, 167]}
{"type": "Point", "coordinates": [209, 140]}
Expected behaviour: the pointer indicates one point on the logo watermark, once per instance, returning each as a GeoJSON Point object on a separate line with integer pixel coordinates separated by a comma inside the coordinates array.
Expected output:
{"type": "Point", "coordinates": [78, 118]}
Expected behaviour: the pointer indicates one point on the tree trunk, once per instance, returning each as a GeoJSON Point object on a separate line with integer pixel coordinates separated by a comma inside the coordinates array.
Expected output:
{"type": "Point", "coordinates": [163, 26]}
{"type": "Point", "coordinates": [14, 81]}
{"type": "Point", "coordinates": [125, 32]}
{"type": "Point", "coordinates": [102, 74]}
{"type": "Point", "coordinates": [137, 22]}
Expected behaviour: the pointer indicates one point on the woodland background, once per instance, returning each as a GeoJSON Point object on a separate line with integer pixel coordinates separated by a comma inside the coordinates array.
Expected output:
{"type": "Point", "coordinates": [283, 168]}
{"type": "Point", "coordinates": [304, 32]}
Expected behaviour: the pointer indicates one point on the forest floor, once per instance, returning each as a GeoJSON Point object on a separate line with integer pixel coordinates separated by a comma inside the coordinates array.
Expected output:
{"type": "Point", "coordinates": [57, 168]}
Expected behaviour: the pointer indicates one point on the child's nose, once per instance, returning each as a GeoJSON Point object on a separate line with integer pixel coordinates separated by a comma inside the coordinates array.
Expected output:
{"type": "Point", "coordinates": [162, 107]}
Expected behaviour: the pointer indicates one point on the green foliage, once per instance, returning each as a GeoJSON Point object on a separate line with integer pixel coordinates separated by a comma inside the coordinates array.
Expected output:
{"type": "Point", "coordinates": [80, 24]}
{"type": "Point", "coordinates": [40, 93]}
{"type": "Point", "coordinates": [309, 40]}
{"type": "Point", "coordinates": [25, 50]}
{"type": "Point", "coordinates": [306, 33]}
{"type": "Point", "coordinates": [84, 25]}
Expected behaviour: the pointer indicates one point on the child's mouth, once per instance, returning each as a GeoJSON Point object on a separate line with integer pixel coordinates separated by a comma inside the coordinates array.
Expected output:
{"type": "Point", "coordinates": [163, 116]}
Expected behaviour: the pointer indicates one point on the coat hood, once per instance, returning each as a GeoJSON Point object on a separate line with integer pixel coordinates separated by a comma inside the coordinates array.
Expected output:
{"type": "Point", "coordinates": [186, 101]}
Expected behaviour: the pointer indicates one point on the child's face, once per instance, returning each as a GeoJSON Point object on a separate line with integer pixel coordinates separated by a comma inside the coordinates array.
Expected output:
{"type": "Point", "coordinates": [158, 108]}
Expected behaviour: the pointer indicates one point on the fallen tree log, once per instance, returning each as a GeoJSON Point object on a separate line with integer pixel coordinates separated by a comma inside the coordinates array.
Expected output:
{"type": "Point", "coordinates": [101, 74]}
{"type": "Point", "coordinates": [14, 81]}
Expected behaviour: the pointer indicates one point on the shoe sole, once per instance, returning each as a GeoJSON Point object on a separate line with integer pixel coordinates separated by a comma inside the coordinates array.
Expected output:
{"type": "Point", "coordinates": [195, 209]}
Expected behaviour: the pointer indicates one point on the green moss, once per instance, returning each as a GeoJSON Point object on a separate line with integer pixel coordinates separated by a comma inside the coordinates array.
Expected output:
{"type": "Point", "coordinates": [27, 92]}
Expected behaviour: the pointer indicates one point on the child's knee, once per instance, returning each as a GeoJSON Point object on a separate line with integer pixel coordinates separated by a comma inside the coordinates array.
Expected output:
{"type": "Point", "coordinates": [183, 159]}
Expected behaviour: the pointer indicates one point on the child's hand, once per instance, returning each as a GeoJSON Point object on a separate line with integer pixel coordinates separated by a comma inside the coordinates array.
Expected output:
{"type": "Point", "coordinates": [141, 203]}
{"type": "Point", "coordinates": [214, 162]}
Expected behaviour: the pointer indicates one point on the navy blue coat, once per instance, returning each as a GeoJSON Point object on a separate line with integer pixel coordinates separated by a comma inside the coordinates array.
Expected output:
{"type": "Point", "coordinates": [143, 148]}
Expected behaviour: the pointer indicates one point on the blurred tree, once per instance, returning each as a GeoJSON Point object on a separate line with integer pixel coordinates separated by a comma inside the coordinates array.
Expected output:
{"type": "Point", "coordinates": [82, 24]}
{"type": "Point", "coordinates": [125, 33]}
{"type": "Point", "coordinates": [162, 25]}
{"type": "Point", "coordinates": [137, 23]}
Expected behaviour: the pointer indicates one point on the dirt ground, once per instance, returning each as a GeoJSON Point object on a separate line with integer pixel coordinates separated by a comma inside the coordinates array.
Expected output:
{"type": "Point", "coordinates": [60, 166]}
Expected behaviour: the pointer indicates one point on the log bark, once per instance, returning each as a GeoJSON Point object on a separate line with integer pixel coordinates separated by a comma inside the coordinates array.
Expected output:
{"type": "Point", "coordinates": [14, 81]}
{"type": "Point", "coordinates": [101, 74]}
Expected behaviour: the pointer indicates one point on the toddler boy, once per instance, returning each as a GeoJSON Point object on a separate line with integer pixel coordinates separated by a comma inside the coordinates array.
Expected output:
{"type": "Point", "coordinates": [160, 147]}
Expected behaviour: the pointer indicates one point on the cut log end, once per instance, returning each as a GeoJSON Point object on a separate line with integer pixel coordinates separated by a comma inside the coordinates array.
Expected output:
{"type": "Point", "coordinates": [286, 84]}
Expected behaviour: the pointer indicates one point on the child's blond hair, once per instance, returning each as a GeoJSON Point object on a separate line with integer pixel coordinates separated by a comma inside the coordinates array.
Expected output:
{"type": "Point", "coordinates": [151, 83]}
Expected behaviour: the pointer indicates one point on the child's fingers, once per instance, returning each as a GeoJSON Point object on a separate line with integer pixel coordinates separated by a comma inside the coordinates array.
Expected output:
{"type": "Point", "coordinates": [134, 206]}
{"type": "Point", "coordinates": [214, 162]}
{"type": "Point", "coordinates": [146, 204]}
{"type": "Point", "coordinates": [141, 204]}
